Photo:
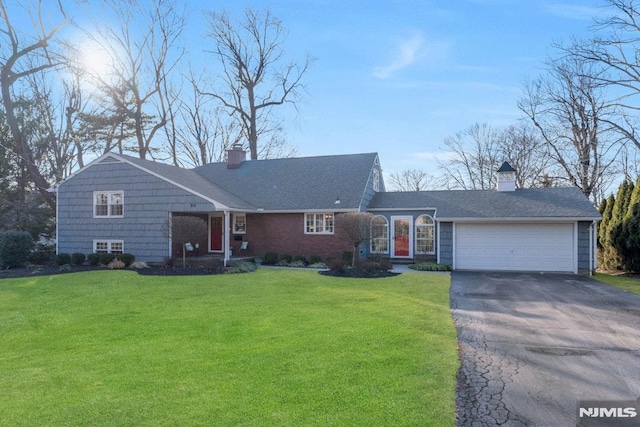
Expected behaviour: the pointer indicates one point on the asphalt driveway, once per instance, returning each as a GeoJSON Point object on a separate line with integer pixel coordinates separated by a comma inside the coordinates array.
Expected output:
{"type": "Point", "coordinates": [533, 345]}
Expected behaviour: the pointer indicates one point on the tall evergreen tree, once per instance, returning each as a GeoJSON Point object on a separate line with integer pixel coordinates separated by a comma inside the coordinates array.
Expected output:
{"type": "Point", "coordinates": [628, 240]}
{"type": "Point", "coordinates": [612, 258]}
{"type": "Point", "coordinates": [605, 208]}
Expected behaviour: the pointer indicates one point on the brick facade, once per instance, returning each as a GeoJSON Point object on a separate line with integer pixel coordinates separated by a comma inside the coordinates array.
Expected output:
{"type": "Point", "coordinates": [283, 233]}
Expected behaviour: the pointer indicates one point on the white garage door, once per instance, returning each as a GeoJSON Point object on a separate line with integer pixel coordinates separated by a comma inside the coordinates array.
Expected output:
{"type": "Point", "coordinates": [515, 247]}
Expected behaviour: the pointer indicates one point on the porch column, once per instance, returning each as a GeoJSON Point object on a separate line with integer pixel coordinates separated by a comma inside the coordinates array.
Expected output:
{"type": "Point", "coordinates": [227, 234]}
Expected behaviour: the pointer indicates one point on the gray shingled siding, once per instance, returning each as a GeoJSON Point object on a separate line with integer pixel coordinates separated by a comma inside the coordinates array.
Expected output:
{"type": "Point", "coordinates": [584, 247]}
{"type": "Point", "coordinates": [446, 242]}
{"type": "Point", "coordinates": [369, 193]}
{"type": "Point", "coordinates": [147, 203]}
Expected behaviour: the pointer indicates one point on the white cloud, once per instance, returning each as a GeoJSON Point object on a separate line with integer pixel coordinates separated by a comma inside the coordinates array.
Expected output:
{"type": "Point", "coordinates": [572, 11]}
{"type": "Point", "coordinates": [408, 51]}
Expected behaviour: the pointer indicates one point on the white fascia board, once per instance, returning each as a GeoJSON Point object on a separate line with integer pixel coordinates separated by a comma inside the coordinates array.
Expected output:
{"type": "Point", "coordinates": [519, 219]}
{"type": "Point", "coordinates": [259, 210]}
{"type": "Point", "coordinates": [426, 208]}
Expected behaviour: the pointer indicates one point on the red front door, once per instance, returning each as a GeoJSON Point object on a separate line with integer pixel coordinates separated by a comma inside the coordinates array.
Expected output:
{"type": "Point", "coordinates": [216, 233]}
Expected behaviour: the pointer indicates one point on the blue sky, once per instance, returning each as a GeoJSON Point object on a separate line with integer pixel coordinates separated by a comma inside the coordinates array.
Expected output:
{"type": "Point", "coordinates": [398, 77]}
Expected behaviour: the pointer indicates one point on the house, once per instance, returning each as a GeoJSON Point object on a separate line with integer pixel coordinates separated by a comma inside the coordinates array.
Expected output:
{"type": "Point", "coordinates": [121, 204]}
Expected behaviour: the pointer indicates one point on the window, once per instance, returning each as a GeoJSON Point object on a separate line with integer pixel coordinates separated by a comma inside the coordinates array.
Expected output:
{"type": "Point", "coordinates": [425, 235]}
{"type": "Point", "coordinates": [379, 235]}
{"type": "Point", "coordinates": [319, 223]}
{"type": "Point", "coordinates": [376, 180]}
{"type": "Point", "coordinates": [108, 204]}
{"type": "Point", "coordinates": [108, 246]}
{"type": "Point", "coordinates": [239, 223]}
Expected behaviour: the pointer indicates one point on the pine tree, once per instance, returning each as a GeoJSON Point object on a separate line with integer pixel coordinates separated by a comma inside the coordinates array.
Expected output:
{"type": "Point", "coordinates": [613, 233]}
{"type": "Point", "coordinates": [603, 226]}
{"type": "Point", "coordinates": [628, 242]}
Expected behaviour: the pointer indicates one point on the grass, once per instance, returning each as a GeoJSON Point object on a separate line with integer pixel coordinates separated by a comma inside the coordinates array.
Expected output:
{"type": "Point", "coordinates": [267, 348]}
{"type": "Point", "coordinates": [631, 284]}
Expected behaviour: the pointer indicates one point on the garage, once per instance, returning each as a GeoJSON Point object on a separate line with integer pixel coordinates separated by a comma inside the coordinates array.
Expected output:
{"type": "Point", "coordinates": [515, 247]}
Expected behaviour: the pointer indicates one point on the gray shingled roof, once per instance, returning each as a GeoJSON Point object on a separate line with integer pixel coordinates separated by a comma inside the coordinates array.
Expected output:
{"type": "Point", "coordinates": [534, 203]}
{"type": "Point", "coordinates": [191, 180]}
{"type": "Point", "coordinates": [305, 183]}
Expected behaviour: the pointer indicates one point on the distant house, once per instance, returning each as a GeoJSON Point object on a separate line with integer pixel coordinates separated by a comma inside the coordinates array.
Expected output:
{"type": "Point", "coordinates": [121, 204]}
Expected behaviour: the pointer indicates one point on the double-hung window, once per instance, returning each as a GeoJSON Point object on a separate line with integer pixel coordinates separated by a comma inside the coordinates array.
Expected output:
{"type": "Point", "coordinates": [318, 223]}
{"type": "Point", "coordinates": [108, 246]}
{"type": "Point", "coordinates": [239, 223]}
{"type": "Point", "coordinates": [108, 204]}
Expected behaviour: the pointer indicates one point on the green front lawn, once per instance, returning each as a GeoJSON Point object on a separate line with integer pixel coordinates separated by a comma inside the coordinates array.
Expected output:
{"type": "Point", "coordinates": [631, 284]}
{"type": "Point", "coordinates": [268, 348]}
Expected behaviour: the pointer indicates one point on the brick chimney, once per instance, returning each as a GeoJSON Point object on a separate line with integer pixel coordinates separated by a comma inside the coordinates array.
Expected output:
{"type": "Point", "coordinates": [236, 156]}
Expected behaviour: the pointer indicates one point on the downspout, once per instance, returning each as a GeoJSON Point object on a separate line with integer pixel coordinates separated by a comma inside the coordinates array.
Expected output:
{"type": "Point", "coordinates": [57, 218]}
{"type": "Point", "coordinates": [170, 239]}
{"type": "Point", "coordinates": [226, 230]}
{"type": "Point", "coordinates": [592, 248]}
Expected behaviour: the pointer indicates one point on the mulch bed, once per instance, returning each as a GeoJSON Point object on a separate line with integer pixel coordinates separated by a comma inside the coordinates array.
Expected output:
{"type": "Point", "coordinates": [47, 270]}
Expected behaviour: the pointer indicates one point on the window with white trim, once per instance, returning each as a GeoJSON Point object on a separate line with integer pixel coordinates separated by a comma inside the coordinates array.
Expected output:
{"type": "Point", "coordinates": [379, 235]}
{"type": "Point", "coordinates": [318, 223]}
{"type": "Point", "coordinates": [239, 223]}
{"type": "Point", "coordinates": [108, 246]}
{"type": "Point", "coordinates": [376, 180]}
{"type": "Point", "coordinates": [425, 235]}
{"type": "Point", "coordinates": [108, 204]}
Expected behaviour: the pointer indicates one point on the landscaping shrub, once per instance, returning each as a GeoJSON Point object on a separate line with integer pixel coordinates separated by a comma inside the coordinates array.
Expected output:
{"type": "Point", "coordinates": [430, 266]}
{"type": "Point", "coordinates": [216, 266]}
{"type": "Point", "coordinates": [63, 259]}
{"type": "Point", "coordinates": [242, 267]}
{"type": "Point", "coordinates": [318, 265]}
{"type": "Point", "coordinates": [347, 257]}
{"type": "Point", "coordinates": [300, 258]}
{"type": "Point", "coordinates": [283, 263]}
{"type": "Point", "coordinates": [77, 258]}
{"type": "Point", "coordinates": [15, 247]}
{"type": "Point", "coordinates": [270, 258]}
{"type": "Point", "coordinates": [385, 264]}
{"type": "Point", "coordinates": [105, 259]}
{"type": "Point", "coordinates": [314, 259]}
{"type": "Point", "coordinates": [285, 257]}
{"type": "Point", "coordinates": [93, 259]}
{"type": "Point", "coordinates": [42, 254]}
{"type": "Point", "coordinates": [298, 264]}
{"type": "Point", "coordinates": [127, 259]}
{"type": "Point", "coordinates": [336, 265]}
{"type": "Point", "coordinates": [370, 266]}
{"type": "Point", "coordinates": [116, 264]}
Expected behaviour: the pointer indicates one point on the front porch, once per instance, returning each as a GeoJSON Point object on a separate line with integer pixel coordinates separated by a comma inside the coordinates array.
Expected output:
{"type": "Point", "coordinates": [206, 237]}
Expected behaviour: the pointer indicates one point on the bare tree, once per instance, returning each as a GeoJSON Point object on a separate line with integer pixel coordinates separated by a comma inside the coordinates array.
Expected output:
{"type": "Point", "coordinates": [568, 109]}
{"type": "Point", "coordinates": [475, 160]}
{"type": "Point", "coordinates": [205, 135]}
{"type": "Point", "coordinates": [356, 227]}
{"type": "Point", "coordinates": [251, 55]}
{"type": "Point", "coordinates": [145, 50]}
{"type": "Point", "coordinates": [412, 180]}
{"type": "Point", "coordinates": [615, 50]}
{"type": "Point", "coordinates": [23, 57]}
{"type": "Point", "coordinates": [523, 148]}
